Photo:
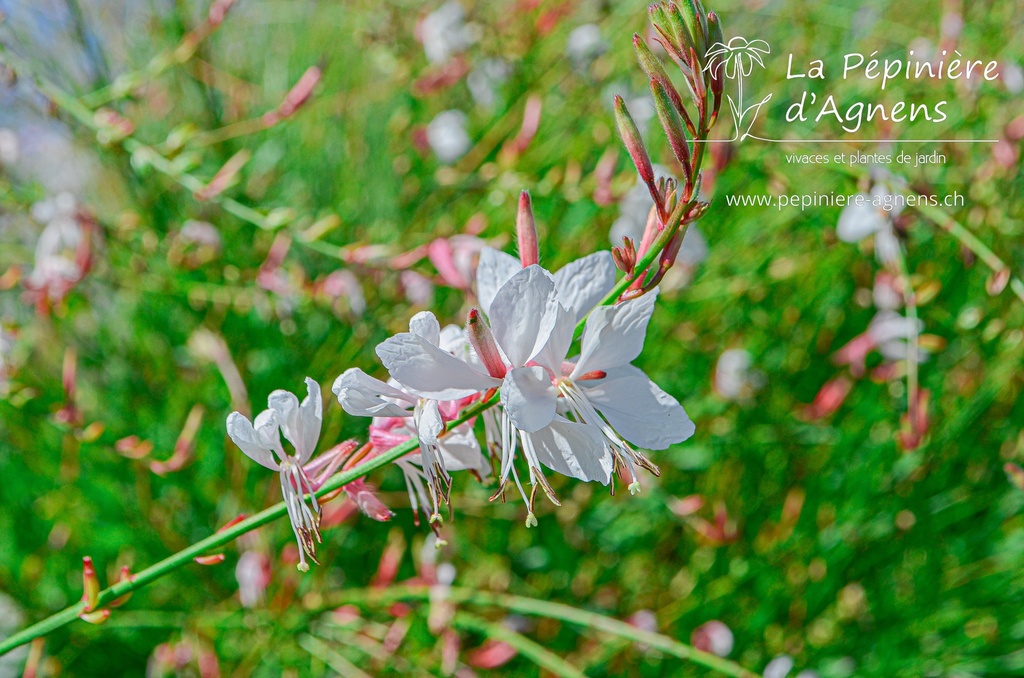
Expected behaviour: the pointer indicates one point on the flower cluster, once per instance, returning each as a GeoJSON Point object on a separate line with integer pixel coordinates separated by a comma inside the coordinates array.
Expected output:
{"type": "Point", "coordinates": [509, 368]}
{"type": "Point", "coordinates": [511, 372]}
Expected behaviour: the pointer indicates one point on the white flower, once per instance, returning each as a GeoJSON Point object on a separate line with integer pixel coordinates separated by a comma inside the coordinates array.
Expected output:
{"type": "Point", "coordinates": [890, 332]}
{"type": "Point", "coordinates": [585, 44]}
{"type": "Point", "coordinates": [444, 32]}
{"type": "Point", "coordinates": [61, 252]}
{"type": "Point", "coordinates": [580, 285]}
{"type": "Point", "coordinates": [484, 80]}
{"type": "Point", "coordinates": [523, 313]}
{"type": "Point", "coordinates": [6, 348]}
{"type": "Point", "coordinates": [260, 440]}
{"type": "Point", "coordinates": [602, 390]}
{"type": "Point", "coordinates": [872, 214]}
{"type": "Point", "coordinates": [9, 147]}
{"type": "Point", "coordinates": [400, 415]}
{"type": "Point", "coordinates": [735, 378]}
{"type": "Point", "coordinates": [447, 136]}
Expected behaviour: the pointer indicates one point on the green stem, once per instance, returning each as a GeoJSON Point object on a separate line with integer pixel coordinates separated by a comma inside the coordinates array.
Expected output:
{"type": "Point", "coordinates": [185, 556]}
{"type": "Point", "coordinates": [550, 610]}
{"type": "Point", "coordinates": [535, 652]}
{"type": "Point", "coordinates": [910, 300]}
{"type": "Point", "coordinates": [970, 241]}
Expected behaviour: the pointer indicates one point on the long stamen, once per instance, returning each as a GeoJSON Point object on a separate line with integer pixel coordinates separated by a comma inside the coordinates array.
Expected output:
{"type": "Point", "coordinates": [584, 412]}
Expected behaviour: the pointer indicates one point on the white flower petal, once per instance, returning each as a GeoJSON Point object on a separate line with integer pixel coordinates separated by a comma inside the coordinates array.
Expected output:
{"type": "Point", "coordinates": [858, 221]}
{"type": "Point", "coordinates": [494, 270]}
{"type": "Point", "coordinates": [429, 371]}
{"type": "Point", "coordinates": [242, 433]}
{"type": "Point", "coordinates": [285, 406]}
{"type": "Point", "coordinates": [557, 346]}
{"type": "Point", "coordinates": [583, 283]}
{"type": "Point", "coordinates": [310, 419]}
{"type": "Point", "coordinates": [529, 398]}
{"type": "Point", "coordinates": [429, 423]}
{"type": "Point", "coordinates": [363, 396]}
{"type": "Point", "coordinates": [639, 410]}
{"type": "Point", "coordinates": [614, 335]}
{"type": "Point", "coordinates": [574, 450]}
{"type": "Point", "coordinates": [425, 325]}
{"type": "Point", "coordinates": [523, 314]}
{"type": "Point", "coordinates": [461, 451]}
{"type": "Point", "coordinates": [268, 431]}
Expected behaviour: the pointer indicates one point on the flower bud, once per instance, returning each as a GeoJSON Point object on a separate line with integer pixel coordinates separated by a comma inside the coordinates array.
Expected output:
{"type": "Point", "coordinates": [90, 585]}
{"type": "Point", "coordinates": [671, 123]}
{"type": "Point", "coordinates": [215, 559]}
{"type": "Point", "coordinates": [654, 69]}
{"type": "Point", "coordinates": [483, 343]}
{"type": "Point", "coordinates": [998, 281]}
{"type": "Point", "coordinates": [126, 576]}
{"type": "Point", "coordinates": [97, 617]}
{"type": "Point", "coordinates": [634, 143]}
{"type": "Point", "coordinates": [526, 232]}
{"type": "Point", "coordinates": [225, 176]}
{"type": "Point", "coordinates": [625, 256]}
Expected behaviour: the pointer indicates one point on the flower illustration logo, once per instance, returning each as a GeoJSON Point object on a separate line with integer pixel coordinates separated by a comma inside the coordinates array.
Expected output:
{"type": "Point", "coordinates": [735, 61]}
{"type": "Point", "coordinates": [739, 56]}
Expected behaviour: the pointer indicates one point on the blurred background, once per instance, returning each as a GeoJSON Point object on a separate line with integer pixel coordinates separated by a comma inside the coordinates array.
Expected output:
{"type": "Point", "coordinates": [201, 204]}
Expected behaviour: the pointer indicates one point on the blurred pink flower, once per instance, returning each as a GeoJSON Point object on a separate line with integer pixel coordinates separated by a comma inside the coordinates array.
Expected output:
{"type": "Point", "coordinates": [714, 637]}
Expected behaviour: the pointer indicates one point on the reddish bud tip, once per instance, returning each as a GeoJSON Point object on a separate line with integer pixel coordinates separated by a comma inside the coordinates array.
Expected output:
{"type": "Point", "coordinates": [1016, 475]}
{"type": "Point", "coordinates": [526, 232]}
{"type": "Point", "coordinates": [998, 281]}
{"type": "Point", "coordinates": [215, 559]}
{"type": "Point", "coordinates": [483, 343]}
{"type": "Point", "coordinates": [633, 141]}
{"type": "Point", "coordinates": [90, 585]}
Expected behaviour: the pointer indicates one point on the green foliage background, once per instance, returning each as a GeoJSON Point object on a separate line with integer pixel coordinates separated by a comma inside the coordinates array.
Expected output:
{"type": "Point", "coordinates": [897, 564]}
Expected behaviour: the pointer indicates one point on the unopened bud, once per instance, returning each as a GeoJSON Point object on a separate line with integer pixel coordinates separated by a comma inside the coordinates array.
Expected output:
{"type": "Point", "coordinates": [526, 232]}
{"type": "Point", "coordinates": [301, 92]}
{"type": "Point", "coordinates": [661, 22]}
{"type": "Point", "coordinates": [633, 141]}
{"type": "Point", "coordinates": [483, 343]}
{"type": "Point", "coordinates": [97, 617]}
{"type": "Point", "coordinates": [654, 69]}
{"type": "Point", "coordinates": [671, 123]}
{"type": "Point", "coordinates": [90, 585]}
{"type": "Point", "coordinates": [690, 15]}
{"type": "Point", "coordinates": [225, 176]}
{"type": "Point", "coordinates": [215, 559]}
{"type": "Point", "coordinates": [126, 576]}
{"type": "Point", "coordinates": [625, 256]}
{"type": "Point", "coordinates": [998, 281]}
{"type": "Point", "coordinates": [715, 34]}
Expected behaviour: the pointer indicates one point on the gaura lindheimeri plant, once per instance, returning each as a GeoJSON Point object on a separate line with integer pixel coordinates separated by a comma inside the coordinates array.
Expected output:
{"type": "Point", "coordinates": [510, 378]}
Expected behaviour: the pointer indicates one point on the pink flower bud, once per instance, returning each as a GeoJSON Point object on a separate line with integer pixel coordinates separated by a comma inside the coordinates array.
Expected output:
{"type": "Point", "coordinates": [126, 576]}
{"type": "Point", "coordinates": [633, 141]}
{"type": "Point", "coordinates": [90, 585]}
{"type": "Point", "coordinates": [526, 231]}
{"type": "Point", "coordinates": [714, 637]}
{"type": "Point", "coordinates": [224, 177]}
{"type": "Point", "coordinates": [483, 342]}
{"type": "Point", "coordinates": [365, 497]}
{"type": "Point", "coordinates": [829, 398]}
